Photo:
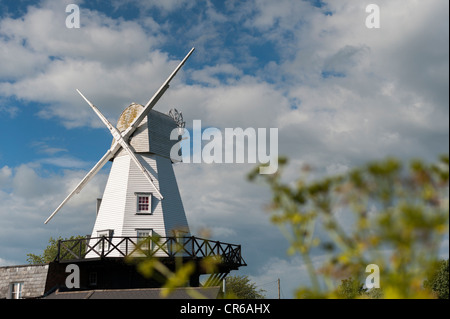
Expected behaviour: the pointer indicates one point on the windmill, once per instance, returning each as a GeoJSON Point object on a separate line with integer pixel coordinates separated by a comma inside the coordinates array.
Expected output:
{"type": "Point", "coordinates": [141, 213]}
{"type": "Point", "coordinates": [141, 197]}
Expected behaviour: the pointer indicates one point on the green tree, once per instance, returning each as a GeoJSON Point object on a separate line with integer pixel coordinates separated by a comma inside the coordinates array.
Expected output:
{"type": "Point", "coordinates": [395, 217]}
{"type": "Point", "coordinates": [374, 293]}
{"type": "Point", "coordinates": [350, 289]}
{"type": "Point", "coordinates": [241, 287]}
{"type": "Point", "coordinates": [438, 280]}
{"type": "Point", "coordinates": [50, 251]}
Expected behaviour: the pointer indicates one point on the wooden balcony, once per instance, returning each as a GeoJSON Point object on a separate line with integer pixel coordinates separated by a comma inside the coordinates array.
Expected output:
{"type": "Point", "coordinates": [161, 247]}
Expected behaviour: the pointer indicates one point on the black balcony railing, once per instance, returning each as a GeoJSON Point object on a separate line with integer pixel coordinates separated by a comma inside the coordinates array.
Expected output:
{"type": "Point", "coordinates": [163, 247]}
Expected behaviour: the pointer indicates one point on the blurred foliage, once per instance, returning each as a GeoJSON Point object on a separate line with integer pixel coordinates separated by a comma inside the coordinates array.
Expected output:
{"type": "Point", "coordinates": [384, 213]}
{"type": "Point", "coordinates": [241, 287]}
{"type": "Point", "coordinates": [174, 277]}
{"type": "Point", "coordinates": [237, 287]}
{"type": "Point", "coordinates": [350, 288]}
{"type": "Point", "coordinates": [353, 288]}
{"type": "Point", "coordinates": [51, 251]}
{"type": "Point", "coordinates": [438, 280]}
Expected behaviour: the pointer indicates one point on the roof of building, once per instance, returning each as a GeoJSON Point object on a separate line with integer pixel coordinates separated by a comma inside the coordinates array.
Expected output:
{"type": "Point", "coordinates": [144, 293]}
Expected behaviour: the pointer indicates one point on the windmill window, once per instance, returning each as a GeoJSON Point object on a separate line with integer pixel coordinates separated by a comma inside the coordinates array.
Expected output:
{"type": "Point", "coordinates": [144, 238]}
{"type": "Point", "coordinates": [16, 290]}
{"type": "Point", "coordinates": [104, 239]}
{"type": "Point", "coordinates": [144, 203]}
{"type": "Point", "coordinates": [93, 279]}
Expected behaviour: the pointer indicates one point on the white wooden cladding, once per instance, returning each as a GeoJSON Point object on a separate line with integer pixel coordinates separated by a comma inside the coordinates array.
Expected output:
{"type": "Point", "coordinates": [159, 128]}
{"type": "Point", "coordinates": [118, 210]}
{"type": "Point", "coordinates": [153, 135]}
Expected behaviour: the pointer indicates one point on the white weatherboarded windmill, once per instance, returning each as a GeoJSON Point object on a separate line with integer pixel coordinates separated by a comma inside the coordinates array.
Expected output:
{"type": "Point", "coordinates": [141, 197]}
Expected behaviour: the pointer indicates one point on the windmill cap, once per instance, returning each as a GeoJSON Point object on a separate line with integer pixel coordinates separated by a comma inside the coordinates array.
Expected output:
{"type": "Point", "coordinates": [128, 115]}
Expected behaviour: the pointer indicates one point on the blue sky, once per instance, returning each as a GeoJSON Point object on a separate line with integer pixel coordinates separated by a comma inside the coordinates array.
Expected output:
{"type": "Point", "coordinates": [339, 93]}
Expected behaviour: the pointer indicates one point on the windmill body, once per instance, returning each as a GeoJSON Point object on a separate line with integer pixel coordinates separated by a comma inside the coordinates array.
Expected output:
{"type": "Point", "coordinates": [133, 204]}
{"type": "Point", "coordinates": [130, 206]}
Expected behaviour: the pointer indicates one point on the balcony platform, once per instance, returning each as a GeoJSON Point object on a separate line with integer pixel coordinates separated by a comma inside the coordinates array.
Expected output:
{"type": "Point", "coordinates": [110, 263]}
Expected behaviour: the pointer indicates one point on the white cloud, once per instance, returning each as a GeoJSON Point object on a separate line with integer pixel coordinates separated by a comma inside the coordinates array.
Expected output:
{"type": "Point", "coordinates": [165, 6]}
{"type": "Point", "coordinates": [29, 198]}
{"type": "Point", "coordinates": [337, 44]}
{"type": "Point", "coordinates": [5, 175]}
{"type": "Point", "coordinates": [244, 103]}
{"type": "Point", "coordinates": [65, 162]}
{"type": "Point", "coordinates": [17, 61]}
{"type": "Point", "coordinates": [100, 38]}
{"type": "Point", "coordinates": [45, 148]}
{"type": "Point", "coordinates": [211, 75]}
{"type": "Point", "coordinates": [48, 61]}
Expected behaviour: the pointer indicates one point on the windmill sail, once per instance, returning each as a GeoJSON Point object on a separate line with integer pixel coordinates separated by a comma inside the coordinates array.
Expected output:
{"type": "Point", "coordinates": [108, 155]}
{"type": "Point", "coordinates": [122, 137]}
{"type": "Point", "coordinates": [151, 103]}
{"type": "Point", "coordinates": [118, 137]}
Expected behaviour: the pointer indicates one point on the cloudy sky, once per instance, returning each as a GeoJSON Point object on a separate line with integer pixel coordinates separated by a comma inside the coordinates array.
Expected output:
{"type": "Point", "coordinates": [339, 93]}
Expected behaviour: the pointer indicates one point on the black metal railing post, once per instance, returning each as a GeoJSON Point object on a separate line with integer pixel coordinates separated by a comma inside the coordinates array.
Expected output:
{"type": "Point", "coordinates": [59, 251]}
